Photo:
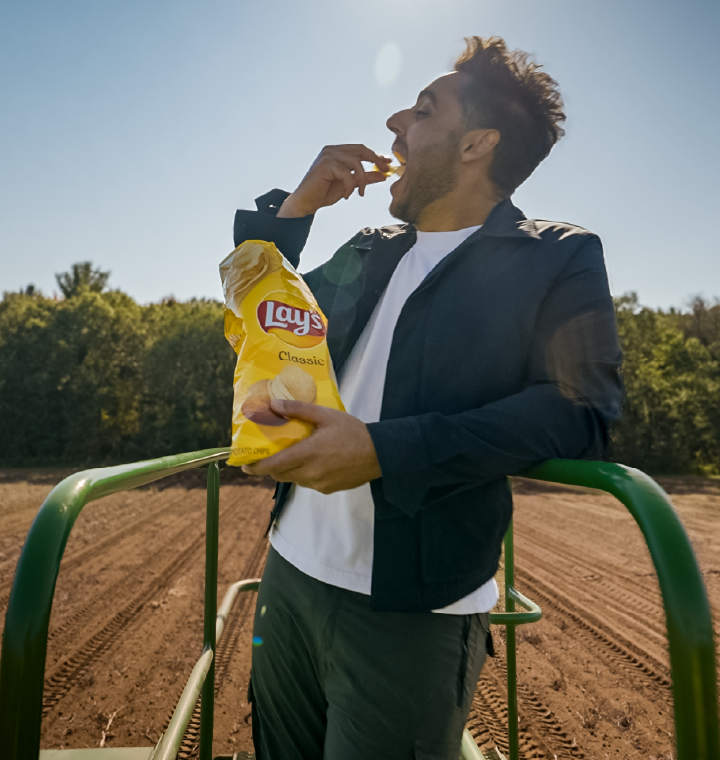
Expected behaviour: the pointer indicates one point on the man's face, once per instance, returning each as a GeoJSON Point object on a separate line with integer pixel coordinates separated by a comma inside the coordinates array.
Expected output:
{"type": "Point", "coordinates": [427, 137]}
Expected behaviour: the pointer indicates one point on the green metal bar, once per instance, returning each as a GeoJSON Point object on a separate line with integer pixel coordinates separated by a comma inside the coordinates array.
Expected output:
{"type": "Point", "coordinates": [468, 749]}
{"type": "Point", "coordinates": [687, 610]}
{"type": "Point", "coordinates": [169, 743]}
{"type": "Point", "coordinates": [690, 634]}
{"type": "Point", "coordinates": [24, 644]}
{"type": "Point", "coordinates": [228, 601]}
{"type": "Point", "coordinates": [207, 707]}
{"type": "Point", "coordinates": [533, 614]}
{"type": "Point", "coordinates": [513, 740]}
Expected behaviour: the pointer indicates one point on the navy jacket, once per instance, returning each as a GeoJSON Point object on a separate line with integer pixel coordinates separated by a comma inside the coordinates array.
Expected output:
{"type": "Point", "coordinates": [504, 357]}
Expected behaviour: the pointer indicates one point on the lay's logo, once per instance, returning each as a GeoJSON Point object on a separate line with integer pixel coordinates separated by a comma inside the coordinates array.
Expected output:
{"type": "Point", "coordinates": [293, 324]}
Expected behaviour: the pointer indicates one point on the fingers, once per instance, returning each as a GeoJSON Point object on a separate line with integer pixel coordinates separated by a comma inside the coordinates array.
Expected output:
{"type": "Point", "coordinates": [349, 182]}
{"type": "Point", "coordinates": [373, 177]}
{"type": "Point", "coordinates": [299, 410]}
{"type": "Point", "coordinates": [279, 464]}
{"type": "Point", "coordinates": [334, 175]}
{"type": "Point", "coordinates": [365, 154]}
{"type": "Point", "coordinates": [353, 155]}
{"type": "Point", "coordinates": [345, 164]}
{"type": "Point", "coordinates": [353, 175]}
{"type": "Point", "coordinates": [360, 177]}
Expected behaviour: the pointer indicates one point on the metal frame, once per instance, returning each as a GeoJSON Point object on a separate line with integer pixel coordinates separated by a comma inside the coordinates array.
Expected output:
{"type": "Point", "coordinates": [24, 645]}
{"type": "Point", "coordinates": [687, 609]}
{"type": "Point", "coordinates": [510, 618]}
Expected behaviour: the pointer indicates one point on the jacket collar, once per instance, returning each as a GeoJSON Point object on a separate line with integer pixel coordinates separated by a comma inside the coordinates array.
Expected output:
{"type": "Point", "coordinates": [505, 220]}
{"type": "Point", "coordinates": [399, 233]}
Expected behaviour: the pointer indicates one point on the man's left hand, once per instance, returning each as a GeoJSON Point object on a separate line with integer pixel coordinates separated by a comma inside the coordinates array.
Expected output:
{"type": "Point", "coordinates": [339, 455]}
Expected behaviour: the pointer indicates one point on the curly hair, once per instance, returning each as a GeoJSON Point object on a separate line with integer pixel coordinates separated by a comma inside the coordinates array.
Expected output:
{"type": "Point", "coordinates": [509, 92]}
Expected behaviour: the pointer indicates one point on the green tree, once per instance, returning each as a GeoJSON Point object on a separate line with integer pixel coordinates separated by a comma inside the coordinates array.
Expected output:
{"type": "Point", "coordinates": [31, 427]}
{"type": "Point", "coordinates": [96, 378]}
{"type": "Point", "coordinates": [70, 377]}
{"type": "Point", "coordinates": [701, 322]}
{"type": "Point", "coordinates": [188, 376]}
{"type": "Point", "coordinates": [671, 419]}
{"type": "Point", "coordinates": [102, 339]}
{"type": "Point", "coordinates": [80, 278]}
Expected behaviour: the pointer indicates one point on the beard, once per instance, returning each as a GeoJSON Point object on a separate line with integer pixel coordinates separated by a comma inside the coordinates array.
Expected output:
{"type": "Point", "coordinates": [433, 176]}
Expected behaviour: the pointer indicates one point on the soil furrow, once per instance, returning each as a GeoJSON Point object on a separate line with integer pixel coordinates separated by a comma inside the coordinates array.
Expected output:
{"type": "Point", "coordinates": [69, 670]}
{"type": "Point", "coordinates": [612, 602]}
{"type": "Point", "coordinates": [488, 719]}
{"type": "Point", "coordinates": [82, 556]}
{"type": "Point", "coordinates": [538, 718]}
{"type": "Point", "coordinates": [240, 614]}
{"type": "Point", "coordinates": [66, 673]}
{"type": "Point", "coordinates": [121, 588]}
{"type": "Point", "coordinates": [621, 651]}
{"type": "Point", "coordinates": [590, 673]}
{"type": "Point", "coordinates": [592, 565]}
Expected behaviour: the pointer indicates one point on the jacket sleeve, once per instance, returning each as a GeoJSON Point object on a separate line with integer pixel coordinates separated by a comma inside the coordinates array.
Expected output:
{"type": "Point", "coordinates": [572, 395]}
{"type": "Point", "coordinates": [289, 235]}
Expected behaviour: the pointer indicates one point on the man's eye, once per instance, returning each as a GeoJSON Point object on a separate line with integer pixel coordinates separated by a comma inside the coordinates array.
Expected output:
{"type": "Point", "coordinates": [422, 113]}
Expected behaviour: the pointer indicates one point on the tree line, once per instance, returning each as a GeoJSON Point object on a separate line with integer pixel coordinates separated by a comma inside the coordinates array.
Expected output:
{"type": "Point", "coordinates": [92, 378]}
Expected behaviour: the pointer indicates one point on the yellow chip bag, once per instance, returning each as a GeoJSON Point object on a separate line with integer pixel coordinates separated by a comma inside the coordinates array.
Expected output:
{"type": "Point", "coordinates": [273, 322]}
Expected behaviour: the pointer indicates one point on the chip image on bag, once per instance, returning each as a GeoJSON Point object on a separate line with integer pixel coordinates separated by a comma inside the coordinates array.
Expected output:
{"type": "Point", "coordinates": [278, 332]}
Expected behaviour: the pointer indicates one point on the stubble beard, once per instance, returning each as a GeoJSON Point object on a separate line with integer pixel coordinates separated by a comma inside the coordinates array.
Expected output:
{"type": "Point", "coordinates": [433, 176]}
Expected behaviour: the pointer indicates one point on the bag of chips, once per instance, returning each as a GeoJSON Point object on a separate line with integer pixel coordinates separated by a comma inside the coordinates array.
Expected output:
{"type": "Point", "coordinates": [279, 334]}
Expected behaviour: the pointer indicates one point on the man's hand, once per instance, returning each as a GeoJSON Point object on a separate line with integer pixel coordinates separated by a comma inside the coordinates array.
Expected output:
{"type": "Point", "coordinates": [335, 174]}
{"type": "Point", "coordinates": [338, 456]}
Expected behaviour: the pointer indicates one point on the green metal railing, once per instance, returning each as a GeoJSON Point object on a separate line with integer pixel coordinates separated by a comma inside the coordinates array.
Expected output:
{"type": "Point", "coordinates": [24, 646]}
{"type": "Point", "coordinates": [687, 610]}
{"type": "Point", "coordinates": [510, 618]}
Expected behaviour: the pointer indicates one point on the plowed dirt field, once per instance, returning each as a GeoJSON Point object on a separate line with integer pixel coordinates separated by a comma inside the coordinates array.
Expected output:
{"type": "Point", "coordinates": [126, 626]}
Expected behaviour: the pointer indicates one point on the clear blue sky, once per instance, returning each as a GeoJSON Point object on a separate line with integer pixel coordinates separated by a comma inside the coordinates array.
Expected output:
{"type": "Point", "coordinates": [132, 130]}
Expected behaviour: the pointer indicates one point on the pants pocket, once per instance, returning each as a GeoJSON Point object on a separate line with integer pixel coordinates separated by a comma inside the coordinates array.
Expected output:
{"type": "Point", "coordinates": [476, 645]}
{"type": "Point", "coordinates": [489, 643]}
{"type": "Point", "coordinates": [464, 659]}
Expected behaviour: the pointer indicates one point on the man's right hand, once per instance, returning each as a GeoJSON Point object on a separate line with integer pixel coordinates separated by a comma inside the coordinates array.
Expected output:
{"type": "Point", "coordinates": [335, 174]}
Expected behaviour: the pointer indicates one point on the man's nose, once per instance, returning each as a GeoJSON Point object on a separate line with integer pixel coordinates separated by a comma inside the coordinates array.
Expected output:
{"type": "Point", "coordinates": [395, 123]}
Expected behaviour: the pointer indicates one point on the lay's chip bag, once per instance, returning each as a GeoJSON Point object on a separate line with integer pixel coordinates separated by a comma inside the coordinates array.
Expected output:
{"type": "Point", "coordinates": [279, 334]}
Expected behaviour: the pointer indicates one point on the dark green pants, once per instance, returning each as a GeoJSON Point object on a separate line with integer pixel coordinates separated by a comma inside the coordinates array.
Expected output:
{"type": "Point", "coordinates": [333, 680]}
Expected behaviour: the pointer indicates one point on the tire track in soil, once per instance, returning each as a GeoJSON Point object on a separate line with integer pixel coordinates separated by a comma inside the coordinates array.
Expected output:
{"type": "Point", "coordinates": [649, 626]}
{"type": "Point", "coordinates": [540, 735]}
{"type": "Point", "coordinates": [78, 558]}
{"type": "Point", "coordinates": [240, 612]}
{"type": "Point", "coordinates": [631, 587]}
{"type": "Point", "coordinates": [120, 587]}
{"type": "Point", "coordinates": [594, 565]}
{"type": "Point", "coordinates": [545, 726]}
{"type": "Point", "coordinates": [488, 719]}
{"type": "Point", "coordinates": [66, 673]}
{"type": "Point", "coordinates": [620, 651]}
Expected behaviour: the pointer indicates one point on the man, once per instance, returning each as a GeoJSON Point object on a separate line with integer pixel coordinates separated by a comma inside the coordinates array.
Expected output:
{"type": "Point", "coordinates": [470, 343]}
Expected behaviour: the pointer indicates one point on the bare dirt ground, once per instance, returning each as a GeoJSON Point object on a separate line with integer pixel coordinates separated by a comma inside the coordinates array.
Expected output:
{"type": "Point", "coordinates": [126, 626]}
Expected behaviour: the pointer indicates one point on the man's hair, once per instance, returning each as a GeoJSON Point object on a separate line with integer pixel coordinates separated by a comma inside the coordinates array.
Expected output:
{"type": "Point", "coordinates": [509, 92]}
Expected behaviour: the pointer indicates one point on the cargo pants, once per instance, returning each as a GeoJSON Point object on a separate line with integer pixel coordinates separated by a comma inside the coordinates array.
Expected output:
{"type": "Point", "coordinates": [334, 680]}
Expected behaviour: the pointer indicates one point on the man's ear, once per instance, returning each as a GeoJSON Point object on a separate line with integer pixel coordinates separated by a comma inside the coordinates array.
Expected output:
{"type": "Point", "coordinates": [478, 143]}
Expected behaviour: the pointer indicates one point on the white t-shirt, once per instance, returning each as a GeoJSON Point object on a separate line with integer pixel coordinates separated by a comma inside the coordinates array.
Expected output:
{"type": "Point", "coordinates": [330, 537]}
